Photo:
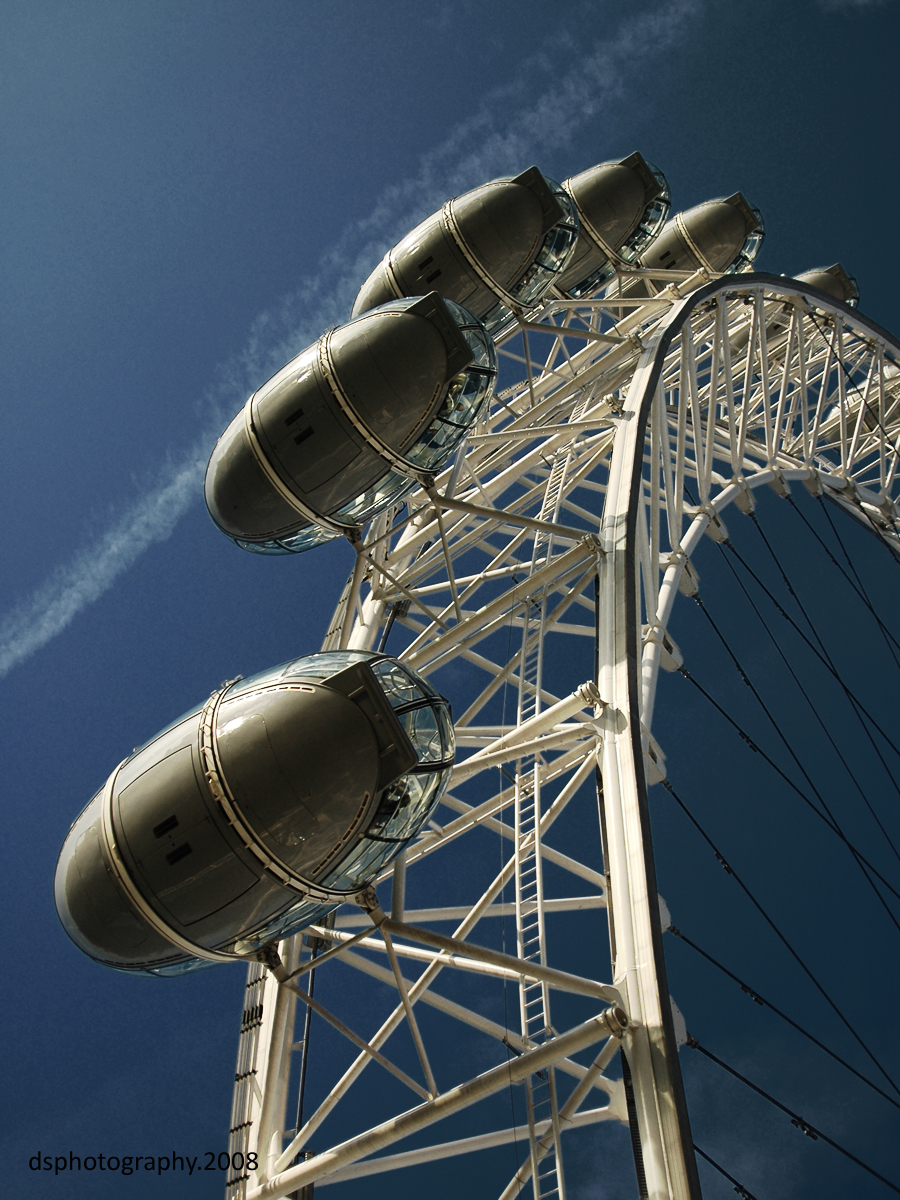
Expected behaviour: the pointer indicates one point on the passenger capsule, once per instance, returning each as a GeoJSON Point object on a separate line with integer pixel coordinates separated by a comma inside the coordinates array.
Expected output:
{"type": "Point", "coordinates": [254, 814]}
{"type": "Point", "coordinates": [495, 250]}
{"type": "Point", "coordinates": [719, 235]}
{"type": "Point", "coordinates": [344, 429]}
{"type": "Point", "coordinates": [621, 206]}
{"type": "Point", "coordinates": [835, 281]}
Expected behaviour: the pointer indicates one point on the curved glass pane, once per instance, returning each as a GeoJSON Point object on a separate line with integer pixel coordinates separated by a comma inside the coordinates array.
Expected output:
{"type": "Point", "coordinates": [324, 664]}
{"type": "Point", "coordinates": [312, 535]}
{"type": "Point", "coordinates": [462, 405]}
{"type": "Point", "coordinates": [652, 220]}
{"type": "Point", "coordinates": [476, 336]}
{"type": "Point", "coordinates": [593, 282]}
{"type": "Point", "coordinates": [399, 685]}
{"type": "Point", "coordinates": [381, 495]}
{"type": "Point", "coordinates": [172, 970]}
{"type": "Point", "coordinates": [466, 397]}
{"type": "Point", "coordinates": [559, 242]}
{"type": "Point", "coordinates": [750, 248]}
{"type": "Point", "coordinates": [259, 680]}
{"type": "Point", "coordinates": [405, 807]}
{"type": "Point", "coordinates": [421, 725]}
{"type": "Point", "coordinates": [298, 916]}
{"type": "Point", "coordinates": [448, 737]}
{"type": "Point", "coordinates": [551, 260]}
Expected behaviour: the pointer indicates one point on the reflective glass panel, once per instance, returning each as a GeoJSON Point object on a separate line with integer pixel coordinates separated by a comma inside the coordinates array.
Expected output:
{"type": "Point", "coordinates": [654, 217]}
{"type": "Point", "coordinates": [398, 685]}
{"type": "Point", "coordinates": [312, 535]}
{"type": "Point", "coordinates": [387, 491]}
{"type": "Point", "coordinates": [750, 248]}
{"type": "Point", "coordinates": [324, 664]}
{"type": "Point", "coordinates": [422, 730]}
{"type": "Point", "coordinates": [550, 261]}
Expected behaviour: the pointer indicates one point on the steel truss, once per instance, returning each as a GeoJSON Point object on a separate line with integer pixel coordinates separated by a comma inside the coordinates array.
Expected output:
{"type": "Point", "coordinates": [568, 520]}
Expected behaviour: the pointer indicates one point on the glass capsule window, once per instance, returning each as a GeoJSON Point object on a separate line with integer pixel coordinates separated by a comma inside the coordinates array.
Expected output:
{"type": "Point", "coordinates": [466, 397]}
{"type": "Point", "coordinates": [305, 912]}
{"type": "Point", "coordinates": [387, 491]}
{"type": "Point", "coordinates": [399, 686]}
{"type": "Point", "coordinates": [652, 220]}
{"type": "Point", "coordinates": [647, 230]}
{"type": "Point", "coordinates": [312, 535]}
{"type": "Point", "coordinates": [750, 249]}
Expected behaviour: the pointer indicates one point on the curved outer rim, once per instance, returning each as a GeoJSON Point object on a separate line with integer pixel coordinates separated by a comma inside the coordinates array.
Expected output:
{"type": "Point", "coordinates": [131, 890]}
{"type": "Point", "coordinates": [223, 796]}
{"type": "Point", "coordinates": [640, 396]}
{"type": "Point", "coordinates": [619, 671]}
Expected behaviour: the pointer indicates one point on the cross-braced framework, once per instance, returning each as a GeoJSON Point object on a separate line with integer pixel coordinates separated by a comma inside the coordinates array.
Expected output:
{"type": "Point", "coordinates": [534, 582]}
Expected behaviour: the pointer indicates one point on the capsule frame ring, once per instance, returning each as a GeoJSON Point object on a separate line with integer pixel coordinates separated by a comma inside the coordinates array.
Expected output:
{"type": "Point", "coordinates": [130, 887]}
{"type": "Point", "coordinates": [278, 483]}
{"type": "Point", "coordinates": [453, 228]}
{"type": "Point", "coordinates": [382, 449]}
{"type": "Point", "coordinates": [221, 793]}
{"type": "Point", "coordinates": [585, 224]}
{"type": "Point", "coordinates": [683, 230]}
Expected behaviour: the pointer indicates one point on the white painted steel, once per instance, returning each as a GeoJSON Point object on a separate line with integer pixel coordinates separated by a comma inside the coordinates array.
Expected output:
{"type": "Point", "coordinates": [571, 490]}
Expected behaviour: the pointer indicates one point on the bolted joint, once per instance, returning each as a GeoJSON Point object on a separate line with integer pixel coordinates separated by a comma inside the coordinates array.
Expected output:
{"type": "Point", "coordinates": [745, 501]}
{"type": "Point", "coordinates": [268, 955]}
{"type": "Point", "coordinates": [590, 694]}
{"type": "Point", "coordinates": [368, 902]}
{"type": "Point", "coordinates": [617, 1020]}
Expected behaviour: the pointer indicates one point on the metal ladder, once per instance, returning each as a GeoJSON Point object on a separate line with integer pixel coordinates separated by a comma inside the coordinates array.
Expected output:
{"type": "Point", "coordinates": [244, 1100]}
{"type": "Point", "coordinates": [534, 999]}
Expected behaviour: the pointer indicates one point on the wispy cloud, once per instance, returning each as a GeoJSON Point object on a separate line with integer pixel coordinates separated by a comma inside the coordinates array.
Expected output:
{"type": "Point", "coordinates": [859, 5]}
{"type": "Point", "coordinates": [556, 95]}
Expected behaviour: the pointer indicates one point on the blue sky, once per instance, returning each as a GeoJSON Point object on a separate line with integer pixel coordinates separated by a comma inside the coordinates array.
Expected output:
{"type": "Point", "coordinates": [192, 194]}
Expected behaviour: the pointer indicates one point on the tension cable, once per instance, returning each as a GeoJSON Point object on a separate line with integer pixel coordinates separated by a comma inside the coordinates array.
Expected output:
{"type": "Point", "coordinates": [804, 1126]}
{"type": "Point", "coordinates": [815, 711]}
{"type": "Point", "coordinates": [761, 1000]}
{"type": "Point", "coordinates": [831, 817]}
{"type": "Point", "coordinates": [770, 922]}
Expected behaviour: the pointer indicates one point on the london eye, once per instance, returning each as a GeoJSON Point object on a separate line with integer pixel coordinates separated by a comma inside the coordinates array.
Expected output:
{"type": "Point", "coordinates": [551, 403]}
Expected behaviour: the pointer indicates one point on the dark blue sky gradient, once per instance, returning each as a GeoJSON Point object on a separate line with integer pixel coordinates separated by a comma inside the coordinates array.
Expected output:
{"type": "Point", "coordinates": [192, 193]}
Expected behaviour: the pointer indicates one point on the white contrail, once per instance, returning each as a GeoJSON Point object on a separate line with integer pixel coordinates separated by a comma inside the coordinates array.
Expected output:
{"type": "Point", "coordinates": [72, 588]}
{"type": "Point", "coordinates": [510, 129]}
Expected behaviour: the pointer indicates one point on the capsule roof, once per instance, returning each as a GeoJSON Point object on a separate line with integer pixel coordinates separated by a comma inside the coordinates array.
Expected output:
{"type": "Point", "coordinates": [835, 281]}
{"type": "Point", "coordinates": [621, 207]}
{"type": "Point", "coordinates": [341, 432]}
{"type": "Point", "coordinates": [719, 235]}
{"type": "Point", "coordinates": [494, 249]}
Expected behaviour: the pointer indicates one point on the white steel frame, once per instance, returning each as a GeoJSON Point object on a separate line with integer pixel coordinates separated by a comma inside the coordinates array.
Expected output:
{"type": "Point", "coordinates": [565, 513]}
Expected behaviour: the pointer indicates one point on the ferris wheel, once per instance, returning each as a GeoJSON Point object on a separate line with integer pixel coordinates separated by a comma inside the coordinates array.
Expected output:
{"type": "Point", "coordinates": [537, 576]}
{"type": "Point", "coordinates": [485, 983]}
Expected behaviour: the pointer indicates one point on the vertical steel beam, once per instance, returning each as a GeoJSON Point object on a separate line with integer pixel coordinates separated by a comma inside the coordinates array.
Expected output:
{"type": "Point", "coordinates": [666, 1166]}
